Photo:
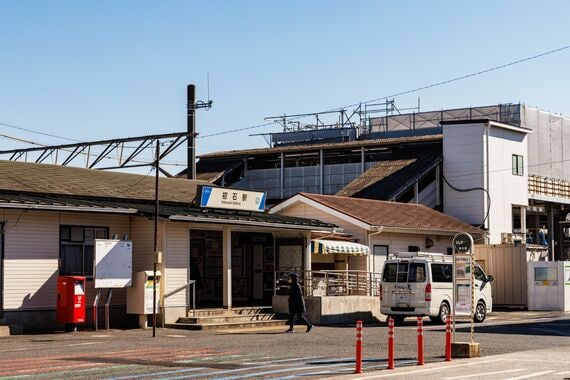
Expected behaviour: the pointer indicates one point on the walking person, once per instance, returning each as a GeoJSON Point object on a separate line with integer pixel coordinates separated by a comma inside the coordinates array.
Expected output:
{"type": "Point", "coordinates": [297, 304]}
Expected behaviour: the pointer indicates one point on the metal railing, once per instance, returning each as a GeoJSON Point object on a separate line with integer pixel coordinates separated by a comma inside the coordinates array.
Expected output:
{"type": "Point", "coordinates": [187, 305]}
{"type": "Point", "coordinates": [341, 283]}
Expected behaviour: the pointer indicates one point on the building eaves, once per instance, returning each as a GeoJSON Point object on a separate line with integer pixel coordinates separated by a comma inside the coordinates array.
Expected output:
{"type": "Point", "coordinates": [327, 146]}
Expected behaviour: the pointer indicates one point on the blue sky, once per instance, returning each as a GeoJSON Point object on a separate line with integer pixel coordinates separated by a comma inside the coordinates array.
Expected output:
{"type": "Point", "coordinates": [108, 69]}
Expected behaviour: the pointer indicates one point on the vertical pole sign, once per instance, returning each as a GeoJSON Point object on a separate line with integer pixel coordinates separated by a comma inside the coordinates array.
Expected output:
{"type": "Point", "coordinates": [463, 278]}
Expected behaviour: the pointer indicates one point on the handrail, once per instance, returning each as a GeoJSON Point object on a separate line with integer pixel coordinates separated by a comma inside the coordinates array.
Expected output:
{"type": "Point", "coordinates": [341, 282]}
{"type": "Point", "coordinates": [173, 292]}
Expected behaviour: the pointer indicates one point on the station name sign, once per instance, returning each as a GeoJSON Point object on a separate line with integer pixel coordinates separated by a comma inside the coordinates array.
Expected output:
{"type": "Point", "coordinates": [233, 199]}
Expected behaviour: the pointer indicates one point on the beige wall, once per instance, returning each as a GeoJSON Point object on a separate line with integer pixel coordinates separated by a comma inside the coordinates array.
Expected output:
{"type": "Point", "coordinates": [31, 254]}
{"type": "Point", "coordinates": [394, 241]}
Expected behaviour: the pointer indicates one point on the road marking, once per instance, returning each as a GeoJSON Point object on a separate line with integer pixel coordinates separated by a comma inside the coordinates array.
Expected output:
{"type": "Point", "coordinates": [176, 336]}
{"type": "Point", "coordinates": [284, 360]}
{"type": "Point", "coordinates": [531, 375]}
{"type": "Point", "coordinates": [426, 370]}
{"type": "Point", "coordinates": [82, 344]}
{"type": "Point", "coordinates": [563, 373]}
{"type": "Point", "coordinates": [158, 373]}
{"type": "Point", "coordinates": [485, 373]}
{"type": "Point", "coordinates": [101, 336]}
{"type": "Point", "coordinates": [290, 369]}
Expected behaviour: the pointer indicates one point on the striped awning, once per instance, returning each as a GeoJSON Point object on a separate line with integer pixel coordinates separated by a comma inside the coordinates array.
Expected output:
{"type": "Point", "coordinates": [326, 247]}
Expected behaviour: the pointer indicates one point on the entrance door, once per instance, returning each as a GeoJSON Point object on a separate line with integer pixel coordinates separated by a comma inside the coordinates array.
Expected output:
{"type": "Point", "coordinates": [257, 264]}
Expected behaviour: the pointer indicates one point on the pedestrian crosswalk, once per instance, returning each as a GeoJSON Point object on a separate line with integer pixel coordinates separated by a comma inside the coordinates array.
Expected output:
{"type": "Point", "coordinates": [176, 364]}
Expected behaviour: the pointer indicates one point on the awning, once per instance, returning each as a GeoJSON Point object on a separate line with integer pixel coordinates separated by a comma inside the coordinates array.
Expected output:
{"type": "Point", "coordinates": [326, 247]}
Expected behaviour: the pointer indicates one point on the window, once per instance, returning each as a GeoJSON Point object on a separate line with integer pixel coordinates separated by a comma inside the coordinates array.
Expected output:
{"type": "Point", "coordinates": [517, 164]}
{"type": "Point", "coordinates": [413, 248]}
{"type": "Point", "coordinates": [479, 275]}
{"type": "Point", "coordinates": [404, 272]}
{"type": "Point", "coordinates": [442, 272]}
{"type": "Point", "coordinates": [77, 249]}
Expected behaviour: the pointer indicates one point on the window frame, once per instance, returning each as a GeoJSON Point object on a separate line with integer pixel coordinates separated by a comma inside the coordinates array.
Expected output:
{"type": "Point", "coordinates": [70, 242]}
{"type": "Point", "coordinates": [517, 162]}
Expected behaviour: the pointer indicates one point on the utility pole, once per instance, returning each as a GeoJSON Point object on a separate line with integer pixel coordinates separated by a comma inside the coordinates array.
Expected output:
{"type": "Point", "coordinates": [156, 207]}
{"type": "Point", "coordinates": [191, 108]}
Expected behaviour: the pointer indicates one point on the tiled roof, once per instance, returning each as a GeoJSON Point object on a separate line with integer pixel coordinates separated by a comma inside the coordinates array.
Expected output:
{"type": "Point", "coordinates": [393, 214]}
{"type": "Point", "coordinates": [306, 148]}
{"type": "Point", "coordinates": [51, 187]}
{"type": "Point", "coordinates": [388, 178]}
{"type": "Point", "coordinates": [66, 180]}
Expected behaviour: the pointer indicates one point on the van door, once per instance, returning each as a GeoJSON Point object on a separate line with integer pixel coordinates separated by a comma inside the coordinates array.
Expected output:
{"type": "Point", "coordinates": [483, 287]}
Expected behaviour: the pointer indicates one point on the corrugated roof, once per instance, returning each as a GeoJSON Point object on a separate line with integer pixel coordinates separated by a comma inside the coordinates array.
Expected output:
{"type": "Point", "coordinates": [66, 180]}
{"type": "Point", "coordinates": [388, 178]}
{"type": "Point", "coordinates": [306, 148]}
{"type": "Point", "coordinates": [393, 214]}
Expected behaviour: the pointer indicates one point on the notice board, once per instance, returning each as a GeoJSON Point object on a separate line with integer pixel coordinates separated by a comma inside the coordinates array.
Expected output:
{"type": "Point", "coordinates": [113, 264]}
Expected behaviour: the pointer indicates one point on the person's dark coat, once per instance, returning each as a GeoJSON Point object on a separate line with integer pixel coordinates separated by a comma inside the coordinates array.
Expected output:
{"type": "Point", "coordinates": [296, 301]}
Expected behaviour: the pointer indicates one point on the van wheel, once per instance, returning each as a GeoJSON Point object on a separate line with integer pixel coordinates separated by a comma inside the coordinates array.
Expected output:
{"type": "Point", "coordinates": [444, 311]}
{"type": "Point", "coordinates": [480, 312]}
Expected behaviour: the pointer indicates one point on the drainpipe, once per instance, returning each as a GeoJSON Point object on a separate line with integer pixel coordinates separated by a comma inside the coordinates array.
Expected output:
{"type": "Point", "coordinates": [378, 230]}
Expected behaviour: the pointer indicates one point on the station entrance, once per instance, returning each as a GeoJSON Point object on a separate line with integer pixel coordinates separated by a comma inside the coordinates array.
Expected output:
{"type": "Point", "coordinates": [252, 267]}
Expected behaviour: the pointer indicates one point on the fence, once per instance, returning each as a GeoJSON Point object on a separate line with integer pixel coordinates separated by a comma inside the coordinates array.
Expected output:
{"type": "Point", "coordinates": [341, 283]}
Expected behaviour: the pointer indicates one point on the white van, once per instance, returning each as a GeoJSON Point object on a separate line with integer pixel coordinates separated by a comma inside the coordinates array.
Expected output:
{"type": "Point", "coordinates": [421, 283]}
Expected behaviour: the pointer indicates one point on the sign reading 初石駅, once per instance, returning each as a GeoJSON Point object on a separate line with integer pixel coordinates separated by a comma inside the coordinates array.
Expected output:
{"type": "Point", "coordinates": [218, 197]}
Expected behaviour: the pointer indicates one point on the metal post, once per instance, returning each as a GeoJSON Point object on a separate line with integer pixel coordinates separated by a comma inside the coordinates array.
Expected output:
{"type": "Point", "coordinates": [107, 306]}
{"type": "Point", "coordinates": [95, 304]}
{"type": "Point", "coordinates": [156, 208]}
{"type": "Point", "coordinates": [191, 127]}
{"type": "Point", "coordinates": [194, 299]}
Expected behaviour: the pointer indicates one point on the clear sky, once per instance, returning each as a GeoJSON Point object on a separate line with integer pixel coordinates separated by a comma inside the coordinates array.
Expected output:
{"type": "Point", "coordinates": [90, 70]}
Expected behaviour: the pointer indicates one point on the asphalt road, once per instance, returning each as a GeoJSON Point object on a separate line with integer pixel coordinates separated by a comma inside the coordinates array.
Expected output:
{"type": "Point", "coordinates": [269, 353]}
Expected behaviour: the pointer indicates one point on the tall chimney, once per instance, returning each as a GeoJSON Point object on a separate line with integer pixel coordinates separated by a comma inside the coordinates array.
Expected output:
{"type": "Point", "coordinates": [191, 125]}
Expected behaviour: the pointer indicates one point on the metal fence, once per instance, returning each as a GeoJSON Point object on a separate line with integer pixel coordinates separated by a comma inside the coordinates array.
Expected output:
{"type": "Point", "coordinates": [341, 283]}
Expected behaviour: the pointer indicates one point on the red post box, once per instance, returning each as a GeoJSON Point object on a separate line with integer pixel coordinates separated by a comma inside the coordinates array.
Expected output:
{"type": "Point", "coordinates": [71, 301]}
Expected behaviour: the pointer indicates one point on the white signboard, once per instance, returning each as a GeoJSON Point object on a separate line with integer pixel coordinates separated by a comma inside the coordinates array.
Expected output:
{"type": "Point", "coordinates": [113, 264]}
{"type": "Point", "coordinates": [463, 291]}
{"type": "Point", "coordinates": [218, 197]}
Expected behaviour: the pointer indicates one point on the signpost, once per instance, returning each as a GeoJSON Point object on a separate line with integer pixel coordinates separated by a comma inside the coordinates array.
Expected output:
{"type": "Point", "coordinates": [464, 289]}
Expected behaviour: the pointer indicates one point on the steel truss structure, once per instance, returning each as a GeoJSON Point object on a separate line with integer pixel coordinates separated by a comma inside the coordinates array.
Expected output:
{"type": "Point", "coordinates": [126, 152]}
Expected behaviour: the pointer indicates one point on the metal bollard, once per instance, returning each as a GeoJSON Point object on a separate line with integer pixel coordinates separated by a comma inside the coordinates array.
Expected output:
{"type": "Point", "coordinates": [358, 347]}
{"type": "Point", "coordinates": [448, 338]}
{"type": "Point", "coordinates": [420, 341]}
{"type": "Point", "coordinates": [390, 343]}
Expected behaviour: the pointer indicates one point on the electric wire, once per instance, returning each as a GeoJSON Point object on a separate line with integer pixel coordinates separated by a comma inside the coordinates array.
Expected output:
{"type": "Point", "coordinates": [473, 189]}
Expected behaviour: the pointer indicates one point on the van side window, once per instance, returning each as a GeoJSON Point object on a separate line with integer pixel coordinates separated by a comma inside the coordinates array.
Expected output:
{"type": "Point", "coordinates": [442, 272]}
{"type": "Point", "coordinates": [389, 272]}
{"type": "Point", "coordinates": [479, 275]}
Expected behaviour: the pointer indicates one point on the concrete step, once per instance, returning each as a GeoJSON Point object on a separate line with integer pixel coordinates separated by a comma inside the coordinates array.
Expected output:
{"type": "Point", "coordinates": [235, 310]}
{"type": "Point", "coordinates": [227, 318]}
{"type": "Point", "coordinates": [4, 331]}
{"type": "Point", "coordinates": [227, 325]}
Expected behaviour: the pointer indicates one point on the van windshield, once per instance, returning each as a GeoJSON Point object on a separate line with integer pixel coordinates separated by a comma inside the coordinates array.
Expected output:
{"type": "Point", "coordinates": [404, 272]}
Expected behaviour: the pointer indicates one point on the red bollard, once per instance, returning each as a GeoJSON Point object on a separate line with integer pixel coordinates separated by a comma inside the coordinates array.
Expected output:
{"type": "Point", "coordinates": [390, 343]}
{"type": "Point", "coordinates": [448, 338]}
{"type": "Point", "coordinates": [358, 347]}
{"type": "Point", "coordinates": [420, 341]}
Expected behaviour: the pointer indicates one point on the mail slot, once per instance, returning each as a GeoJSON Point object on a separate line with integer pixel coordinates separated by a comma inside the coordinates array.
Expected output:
{"type": "Point", "coordinates": [71, 301]}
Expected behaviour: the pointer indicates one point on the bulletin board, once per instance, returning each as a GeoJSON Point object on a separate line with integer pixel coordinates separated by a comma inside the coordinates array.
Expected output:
{"type": "Point", "coordinates": [113, 266]}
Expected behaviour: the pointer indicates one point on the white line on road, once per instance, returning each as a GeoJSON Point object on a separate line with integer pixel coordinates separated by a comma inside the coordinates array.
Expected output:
{"type": "Point", "coordinates": [485, 373]}
{"type": "Point", "coordinates": [536, 374]}
{"type": "Point", "coordinates": [83, 344]}
{"type": "Point", "coordinates": [563, 373]}
{"type": "Point", "coordinates": [283, 360]}
{"type": "Point", "coordinates": [392, 374]}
